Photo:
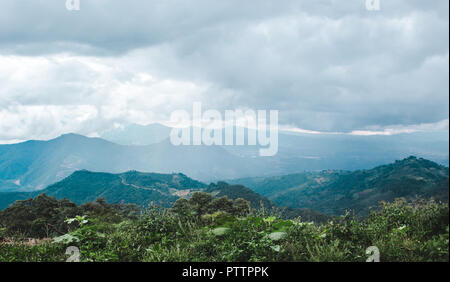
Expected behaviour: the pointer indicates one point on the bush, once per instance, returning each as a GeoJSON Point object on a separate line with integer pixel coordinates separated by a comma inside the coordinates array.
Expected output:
{"type": "Point", "coordinates": [402, 231]}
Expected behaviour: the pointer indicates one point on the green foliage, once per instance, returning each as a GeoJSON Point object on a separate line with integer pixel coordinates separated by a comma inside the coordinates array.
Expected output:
{"type": "Point", "coordinates": [66, 239]}
{"type": "Point", "coordinates": [24, 253]}
{"type": "Point", "coordinates": [415, 231]}
{"type": "Point", "coordinates": [220, 231]}
{"type": "Point", "coordinates": [40, 217]}
{"type": "Point", "coordinates": [277, 236]}
{"type": "Point", "coordinates": [45, 216]}
{"type": "Point", "coordinates": [203, 205]}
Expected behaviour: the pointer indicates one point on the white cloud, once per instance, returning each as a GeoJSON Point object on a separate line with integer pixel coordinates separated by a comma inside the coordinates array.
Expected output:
{"type": "Point", "coordinates": [442, 125]}
{"type": "Point", "coordinates": [46, 96]}
{"type": "Point", "coordinates": [43, 122]}
{"type": "Point", "coordinates": [327, 66]}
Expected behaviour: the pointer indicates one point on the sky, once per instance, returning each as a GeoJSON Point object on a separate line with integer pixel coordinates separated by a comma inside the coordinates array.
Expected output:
{"type": "Point", "coordinates": [325, 65]}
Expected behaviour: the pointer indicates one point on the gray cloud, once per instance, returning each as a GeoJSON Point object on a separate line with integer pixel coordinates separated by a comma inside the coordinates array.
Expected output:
{"type": "Point", "coordinates": [326, 65]}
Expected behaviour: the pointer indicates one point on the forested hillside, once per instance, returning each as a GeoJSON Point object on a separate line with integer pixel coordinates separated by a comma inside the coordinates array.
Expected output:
{"type": "Point", "coordinates": [333, 192]}
{"type": "Point", "coordinates": [130, 187]}
{"type": "Point", "coordinates": [308, 194]}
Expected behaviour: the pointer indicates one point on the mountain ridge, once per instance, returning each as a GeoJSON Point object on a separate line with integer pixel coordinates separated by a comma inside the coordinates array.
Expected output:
{"type": "Point", "coordinates": [33, 165]}
{"type": "Point", "coordinates": [131, 187]}
{"type": "Point", "coordinates": [329, 192]}
{"type": "Point", "coordinates": [334, 191]}
{"type": "Point", "coordinates": [143, 189]}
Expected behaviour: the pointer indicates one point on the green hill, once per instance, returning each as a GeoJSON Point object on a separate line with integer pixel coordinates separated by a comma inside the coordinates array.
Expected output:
{"type": "Point", "coordinates": [33, 165]}
{"type": "Point", "coordinates": [333, 192]}
{"type": "Point", "coordinates": [129, 187]}
{"type": "Point", "coordinates": [144, 188]}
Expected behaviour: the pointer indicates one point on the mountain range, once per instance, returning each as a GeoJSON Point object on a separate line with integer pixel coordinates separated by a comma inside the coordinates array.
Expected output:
{"type": "Point", "coordinates": [312, 195]}
{"type": "Point", "coordinates": [33, 165]}
{"type": "Point", "coordinates": [315, 151]}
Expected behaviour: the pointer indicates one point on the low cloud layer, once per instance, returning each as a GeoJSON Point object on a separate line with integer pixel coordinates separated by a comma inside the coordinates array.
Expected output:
{"type": "Point", "coordinates": [325, 65]}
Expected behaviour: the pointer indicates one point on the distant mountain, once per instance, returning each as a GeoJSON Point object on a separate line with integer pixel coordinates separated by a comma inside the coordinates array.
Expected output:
{"type": "Point", "coordinates": [314, 152]}
{"type": "Point", "coordinates": [333, 192]}
{"type": "Point", "coordinates": [302, 151]}
{"type": "Point", "coordinates": [33, 165]}
{"type": "Point", "coordinates": [135, 134]}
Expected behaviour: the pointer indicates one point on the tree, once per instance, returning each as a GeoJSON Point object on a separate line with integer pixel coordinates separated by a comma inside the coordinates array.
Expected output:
{"type": "Point", "coordinates": [241, 207]}
{"type": "Point", "coordinates": [182, 207]}
{"type": "Point", "coordinates": [200, 202]}
{"type": "Point", "coordinates": [221, 204]}
{"type": "Point", "coordinates": [39, 217]}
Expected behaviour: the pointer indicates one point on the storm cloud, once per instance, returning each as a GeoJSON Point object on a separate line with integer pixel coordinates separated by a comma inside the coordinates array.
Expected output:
{"type": "Point", "coordinates": [325, 65]}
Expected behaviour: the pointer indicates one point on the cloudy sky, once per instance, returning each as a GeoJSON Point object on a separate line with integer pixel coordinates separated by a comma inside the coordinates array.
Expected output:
{"type": "Point", "coordinates": [326, 65]}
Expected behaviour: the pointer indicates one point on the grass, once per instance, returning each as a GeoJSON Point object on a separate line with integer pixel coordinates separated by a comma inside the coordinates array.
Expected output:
{"type": "Point", "coordinates": [402, 231]}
